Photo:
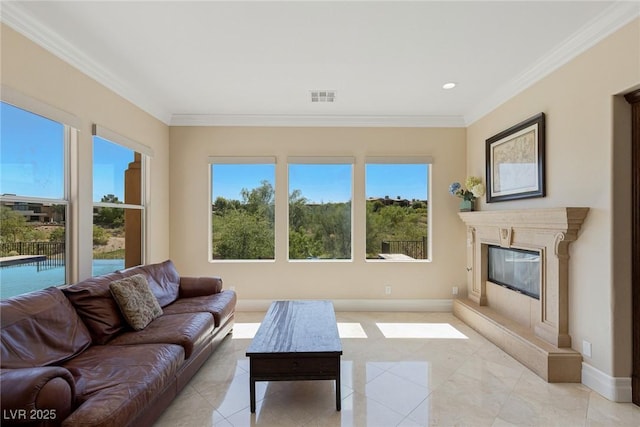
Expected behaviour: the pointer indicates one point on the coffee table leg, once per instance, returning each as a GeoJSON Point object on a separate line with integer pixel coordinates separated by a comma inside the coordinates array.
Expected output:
{"type": "Point", "coordinates": [338, 391]}
{"type": "Point", "coordinates": [252, 392]}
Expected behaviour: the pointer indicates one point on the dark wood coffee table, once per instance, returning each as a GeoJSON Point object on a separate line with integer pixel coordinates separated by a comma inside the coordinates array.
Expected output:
{"type": "Point", "coordinates": [297, 340]}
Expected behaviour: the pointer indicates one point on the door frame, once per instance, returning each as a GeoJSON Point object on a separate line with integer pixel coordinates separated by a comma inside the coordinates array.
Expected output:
{"type": "Point", "coordinates": [634, 99]}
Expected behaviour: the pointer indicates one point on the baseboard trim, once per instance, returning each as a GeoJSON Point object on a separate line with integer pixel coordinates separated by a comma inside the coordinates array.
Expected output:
{"type": "Point", "coordinates": [617, 389]}
{"type": "Point", "coordinates": [416, 305]}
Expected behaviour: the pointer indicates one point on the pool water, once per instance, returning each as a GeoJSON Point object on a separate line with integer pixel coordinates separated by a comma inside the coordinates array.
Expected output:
{"type": "Point", "coordinates": [18, 280]}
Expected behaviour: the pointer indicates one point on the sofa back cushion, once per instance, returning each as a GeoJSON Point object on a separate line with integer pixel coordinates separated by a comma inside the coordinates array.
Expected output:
{"type": "Point", "coordinates": [163, 279]}
{"type": "Point", "coordinates": [94, 303]}
{"type": "Point", "coordinates": [40, 328]}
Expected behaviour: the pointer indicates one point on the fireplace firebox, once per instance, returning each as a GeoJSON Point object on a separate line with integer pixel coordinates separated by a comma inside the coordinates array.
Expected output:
{"type": "Point", "coordinates": [515, 269]}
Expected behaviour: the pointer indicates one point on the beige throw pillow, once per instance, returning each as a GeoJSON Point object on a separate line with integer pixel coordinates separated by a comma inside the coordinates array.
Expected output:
{"type": "Point", "coordinates": [136, 301]}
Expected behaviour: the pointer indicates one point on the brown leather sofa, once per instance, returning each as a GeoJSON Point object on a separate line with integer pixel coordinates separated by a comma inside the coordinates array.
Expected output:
{"type": "Point", "coordinates": [69, 358]}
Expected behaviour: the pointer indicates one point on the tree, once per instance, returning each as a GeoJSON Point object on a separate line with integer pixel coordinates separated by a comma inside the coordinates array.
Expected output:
{"type": "Point", "coordinates": [241, 235]}
{"type": "Point", "coordinates": [100, 236]}
{"type": "Point", "coordinates": [107, 216]}
{"type": "Point", "coordinates": [57, 235]}
{"type": "Point", "coordinates": [332, 224]}
{"type": "Point", "coordinates": [377, 205]}
{"type": "Point", "coordinates": [297, 210]}
{"type": "Point", "coordinates": [394, 222]}
{"type": "Point", "coordinates": [110, 198]}
{"type": "Point", "coordinates": [13, 226]}
{"type": "Point", "coordinates": [303, 246]}
{"type": "Point", "coordinates": [245, 229]}
{"type": "Point", "coordinates": [259, 200]}
{"type": "Point", "coordinates": [221, 205]}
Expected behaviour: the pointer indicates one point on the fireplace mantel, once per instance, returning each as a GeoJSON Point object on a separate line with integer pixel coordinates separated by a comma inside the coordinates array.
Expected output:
{"type": "Point", "coordinates": [547, 231]}
{"type": "Point", "coordinates": [557, 220]}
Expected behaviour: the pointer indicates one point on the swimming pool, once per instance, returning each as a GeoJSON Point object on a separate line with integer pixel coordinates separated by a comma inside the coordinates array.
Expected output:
{"type": "Point", "coordinates": [28, 278]}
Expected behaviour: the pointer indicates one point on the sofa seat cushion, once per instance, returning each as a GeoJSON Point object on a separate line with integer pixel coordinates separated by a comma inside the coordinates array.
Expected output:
{"type": "Point", "coordinates": [40, 328]}
{"type": "Point", "coordinates": [192, 331]}
{"type": "Point", "coordinates": [221, 306]}
{"type": "Point", "coordinates": [115, 383]}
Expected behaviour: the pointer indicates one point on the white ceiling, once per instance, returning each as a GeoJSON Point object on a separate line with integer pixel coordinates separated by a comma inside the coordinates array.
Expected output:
{"type": "Point", "coordinates": [255, 63]}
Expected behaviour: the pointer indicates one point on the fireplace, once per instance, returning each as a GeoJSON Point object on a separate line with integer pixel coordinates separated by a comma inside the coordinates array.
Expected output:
{"type": "Point", "coordinates": [517, 285]}
{"type": "Point", "coordinates": [515, 269]}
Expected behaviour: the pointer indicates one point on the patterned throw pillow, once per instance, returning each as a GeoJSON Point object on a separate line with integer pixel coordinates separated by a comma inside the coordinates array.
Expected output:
{"type": "Point", "coordinates": [136, 301]}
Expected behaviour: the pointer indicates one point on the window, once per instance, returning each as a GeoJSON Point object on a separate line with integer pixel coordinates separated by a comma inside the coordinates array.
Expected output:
{"type": "Point", "coordinates": [320, 193]}
{"type": "Point", "coordinates": [397, 208]}
{"type": "Point", "coordinates": [118, 203]}
{"type": "Point", "coordinates": [242, 208]}
{"type": "Point", "coordinates": [33, 201]}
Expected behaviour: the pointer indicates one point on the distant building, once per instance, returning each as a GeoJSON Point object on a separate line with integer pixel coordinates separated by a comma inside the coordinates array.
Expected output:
{"type": "Point", "coordinates": [387, 201]}
{"type": "Point", "coordinates": [36, 212]}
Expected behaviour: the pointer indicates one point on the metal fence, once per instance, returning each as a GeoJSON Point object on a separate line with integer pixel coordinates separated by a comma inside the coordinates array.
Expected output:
{"type": "Point", "coordinates": [416, 249]}
{"type": "Point", "coordinates": [54, 252]}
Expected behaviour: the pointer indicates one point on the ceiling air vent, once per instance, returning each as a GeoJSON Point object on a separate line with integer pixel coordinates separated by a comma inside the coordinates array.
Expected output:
{"type": "Point", "coordinates": [323, 95]}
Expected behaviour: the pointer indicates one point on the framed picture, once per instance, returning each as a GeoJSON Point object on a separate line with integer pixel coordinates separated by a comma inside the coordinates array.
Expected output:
{"type": "Point", "coordinates": [515, 162]}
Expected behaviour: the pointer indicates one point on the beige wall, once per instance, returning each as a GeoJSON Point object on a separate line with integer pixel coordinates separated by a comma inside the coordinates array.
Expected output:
{"type": "Point", "coordinates": [358, 279]}
{"type": "Point", "coordinates": [578, 100]}
{"type": "Point", "coordinates": [34, 72]}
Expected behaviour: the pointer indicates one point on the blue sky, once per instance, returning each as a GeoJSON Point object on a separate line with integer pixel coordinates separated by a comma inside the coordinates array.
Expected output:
{"type": "Point", "coordinates": [321, 183]}
{"type": "Point", "coordinates": [31, 154]}
{"type": "Point", "coordinates": [109, 163]}
{"type": "Point", "coordinates": [407, 181]}
{"type": "Point", "coordinates": [231, 179]}
{"type": "Point", "coordinates": [324, 183]}
{"type": "Point", "coordinates": [32, 158]}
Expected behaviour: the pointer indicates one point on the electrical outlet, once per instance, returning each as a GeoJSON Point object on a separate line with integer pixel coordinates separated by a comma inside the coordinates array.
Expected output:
{"type": "Point", "coordinates": [232, 288]}
{"type": "Point", "coordinates": [586, 348]}
{"type": "Point", "coordinates": [454, 291]}
{"type": "Point", "coordinates": [387, 290]}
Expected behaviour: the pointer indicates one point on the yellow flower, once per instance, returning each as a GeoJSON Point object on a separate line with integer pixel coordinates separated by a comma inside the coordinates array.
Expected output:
{"type": "Point", "coordinates": [477, 190]}
{"type": "Point", "coordinates": [472, 181]}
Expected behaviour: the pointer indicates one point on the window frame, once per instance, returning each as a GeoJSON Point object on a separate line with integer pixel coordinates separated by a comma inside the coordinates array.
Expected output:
{"type": "Point", "coordinates": [70, 125]}
{"type": "Point", "coordinates": [324, 160]}
{"type": "Point", "coordinates": [404, 160]}
{"type": "Point", "coordinates": [146, 153]}
{"type": "Point", "coordinates": [240, 160]}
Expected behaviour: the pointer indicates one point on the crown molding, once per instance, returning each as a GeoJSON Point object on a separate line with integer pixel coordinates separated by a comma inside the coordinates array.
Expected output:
{"type": "Point", "coordinates": [308, 120]}
{"type": "Point", "coordinates": [15, 17]}
{"type": "Point", "coordinates": [609, 21]}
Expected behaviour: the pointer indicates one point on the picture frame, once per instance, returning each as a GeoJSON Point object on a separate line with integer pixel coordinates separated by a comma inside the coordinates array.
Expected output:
{"type": "Point", "coordinates": [515, 161]}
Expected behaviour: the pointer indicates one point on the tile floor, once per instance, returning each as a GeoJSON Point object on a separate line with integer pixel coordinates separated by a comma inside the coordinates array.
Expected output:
{"type": "Point", "coordinates": [398, 369]}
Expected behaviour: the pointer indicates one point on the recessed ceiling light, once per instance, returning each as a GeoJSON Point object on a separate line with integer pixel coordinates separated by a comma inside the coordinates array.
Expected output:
{"type": "Point", "coordinates": [449, 85]}
{"type": "Point", "coordinates": [323, 95]}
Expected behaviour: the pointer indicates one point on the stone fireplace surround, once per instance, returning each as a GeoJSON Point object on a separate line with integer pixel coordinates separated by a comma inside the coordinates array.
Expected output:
{"type": "Point", "coordinates": [535, 332]}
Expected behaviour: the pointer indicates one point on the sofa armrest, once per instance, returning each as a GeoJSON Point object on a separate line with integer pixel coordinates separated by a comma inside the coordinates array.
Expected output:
{"type": "Point", "coordinates": [199, 286]}
{"type": "Point", "coordinates": [44, 395]}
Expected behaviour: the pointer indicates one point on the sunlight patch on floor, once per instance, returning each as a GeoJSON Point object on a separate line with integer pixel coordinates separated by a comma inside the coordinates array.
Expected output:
{"type": "Point", "coordinates": [351, 330]}
{"type": "Point", "coordinates": [420, 330]}
{"type": "Point", "coordinates": [245, 331]}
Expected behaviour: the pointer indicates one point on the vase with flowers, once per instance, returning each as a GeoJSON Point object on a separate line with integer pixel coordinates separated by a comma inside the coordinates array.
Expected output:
{"type": "Point", "coordinates": [474, 189]}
